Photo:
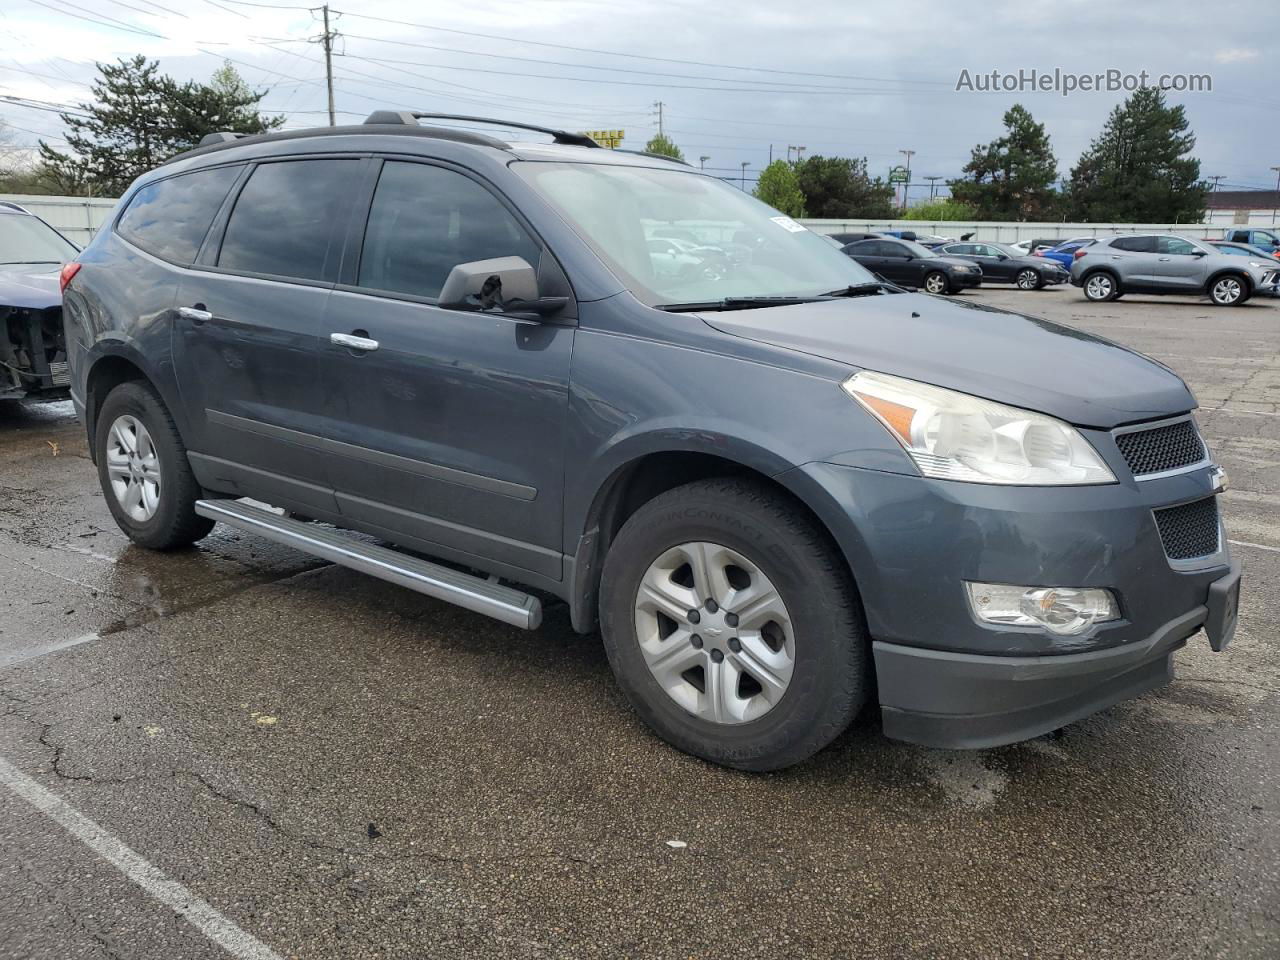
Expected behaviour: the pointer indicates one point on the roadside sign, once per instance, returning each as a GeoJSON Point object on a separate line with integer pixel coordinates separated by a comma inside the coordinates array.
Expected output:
{"type": "Point", "coordinates": [897, 174]}
{"type": "Point", "coordinates": [607, 138]}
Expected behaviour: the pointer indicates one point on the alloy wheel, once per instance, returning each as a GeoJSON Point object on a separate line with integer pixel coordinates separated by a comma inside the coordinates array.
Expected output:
{"type": "Point", "coordinates": [1098, 287]}
{"type": "Point", "coordinates": [714, 633]}
{"type": "Point", "coordinates": [1028, 279]}
{"type": "Point", "coordinates": [935, 283]}
{"type": "Point", "coordinates": [1227, 291]}
{"type": "Point", "coordinates": [133, 468]}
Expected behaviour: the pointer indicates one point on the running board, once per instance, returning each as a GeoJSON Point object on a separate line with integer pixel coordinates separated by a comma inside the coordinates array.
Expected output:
{"type": "Point", "coordinates": [462, 589]}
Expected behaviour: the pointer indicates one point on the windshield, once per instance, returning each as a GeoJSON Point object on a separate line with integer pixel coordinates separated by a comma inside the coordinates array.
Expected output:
{"type": "Point", "coordinates": [26, 239]}
{"type": "Point", "coordinates": [674, 236]}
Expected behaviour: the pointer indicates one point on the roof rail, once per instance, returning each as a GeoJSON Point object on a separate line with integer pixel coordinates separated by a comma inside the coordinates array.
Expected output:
{"type": "Point", "coordinates": [656, 156]}
{"type": "Point", "coordinates": [411, 118]}
{"type": "Point", "coordinates": [222, 136]}
{"type": "Point", "coordinates": [15, 206]}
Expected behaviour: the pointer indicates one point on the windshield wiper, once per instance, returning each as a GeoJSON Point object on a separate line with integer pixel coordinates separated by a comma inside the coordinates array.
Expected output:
{"type": "Point", "coordinates": [864, 289]}
{"type": "Point", "coordinates": [737, 303]}
{"type": "Point", "coordinates": [23, 263]}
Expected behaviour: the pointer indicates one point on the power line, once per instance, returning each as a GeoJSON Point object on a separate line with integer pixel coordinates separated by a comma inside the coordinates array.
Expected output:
{"type": "Point", "coordinates": [104, 22]}
{"type": "Point", "coordinates": [637, 56]}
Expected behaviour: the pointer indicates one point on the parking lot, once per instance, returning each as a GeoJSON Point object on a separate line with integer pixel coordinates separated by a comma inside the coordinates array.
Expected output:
{"type": "Point", "coordinates": [337, 767]}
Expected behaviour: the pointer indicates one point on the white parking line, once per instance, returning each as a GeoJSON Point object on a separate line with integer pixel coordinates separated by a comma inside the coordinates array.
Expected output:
{"type": "Point", "coordinates": [1256, 546]}
{"type": "Point", "coordinates": [172, 894]}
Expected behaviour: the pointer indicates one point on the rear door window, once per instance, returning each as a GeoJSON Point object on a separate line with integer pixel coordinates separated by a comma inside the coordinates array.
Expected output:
{"type": "Point", "coordinates": [169, 218]}
{"type": "Point", "coordinates": [425, 220]}
{"type": "Point", "coordinates": [1135, 244]}
{"type": "Point", "coordinates": [286, 220]}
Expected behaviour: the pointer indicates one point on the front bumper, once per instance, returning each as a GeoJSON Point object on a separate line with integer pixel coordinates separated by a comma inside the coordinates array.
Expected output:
{"type": "Point", "coordinates": [966, 279]}
{"type": "Point", "coordinates": [948, 680]}
{"type": "Point", "coordinates": [968, 701]}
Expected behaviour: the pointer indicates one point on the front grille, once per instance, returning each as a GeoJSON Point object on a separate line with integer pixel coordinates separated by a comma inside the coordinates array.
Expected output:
{"type": "Point", "coordinates": [1167, 447]}
{"type": "Point", "coordinates": [1189, 530]}
{"type": "Point", "coordinates": [60, 373]}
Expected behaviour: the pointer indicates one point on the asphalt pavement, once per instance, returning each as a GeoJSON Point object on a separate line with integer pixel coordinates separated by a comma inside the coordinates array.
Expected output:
{"type": "Point", "coordinates": [236, 750]}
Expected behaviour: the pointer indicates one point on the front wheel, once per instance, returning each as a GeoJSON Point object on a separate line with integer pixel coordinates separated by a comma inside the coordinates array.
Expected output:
{"type": "Point", "coordinates": [936, 283]}
{"type": "Point", "coordinates": [732, 625]}
{"type": "Point", "coordinates": [1228, 292]}
{"type": "Point", "coordinates": [142, 465]}
{"type": "Point", "coordinates": [1027, 279]}
{"type": "Point", "coordinates": [1100, 287]}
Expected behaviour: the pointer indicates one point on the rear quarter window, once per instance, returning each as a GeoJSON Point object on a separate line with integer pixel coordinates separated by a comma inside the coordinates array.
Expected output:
{"type": "Point", "coordinates": [169, 218]}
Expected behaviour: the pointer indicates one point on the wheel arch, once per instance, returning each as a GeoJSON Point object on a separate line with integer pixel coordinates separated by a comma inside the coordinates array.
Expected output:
{"type": "Point", "coordinates": [114, 363]}
{"type": "Point", "coordinates": [636, 480]}
{"type": "Point", "coordinates": [1230, 272]}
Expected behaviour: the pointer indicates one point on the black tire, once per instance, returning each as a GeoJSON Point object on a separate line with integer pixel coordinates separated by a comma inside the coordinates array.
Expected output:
{"type": "Point", "coordinates": [832, 667]}
{"type": "Point", "coordinates": [1100, 287]}
{"type": "Point", "coordinates": [175, 522]}
{"type": "Point", "coordinates": [939, 280]}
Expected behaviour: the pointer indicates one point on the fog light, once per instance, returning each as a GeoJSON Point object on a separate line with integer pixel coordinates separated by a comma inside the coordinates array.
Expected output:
{"type": "Point", "coordinates": [1061, 610]}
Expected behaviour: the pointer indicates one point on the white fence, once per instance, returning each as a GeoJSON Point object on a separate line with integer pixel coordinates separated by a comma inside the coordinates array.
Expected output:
{"type": "Point", "coordinates": [77, 218]}
{"type": "Point", "coordinates": [80, 217]}
{"type": "Point", "coordinates": [1010, 232]}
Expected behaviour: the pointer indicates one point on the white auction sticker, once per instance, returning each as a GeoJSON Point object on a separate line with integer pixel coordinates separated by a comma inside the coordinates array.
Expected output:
{"type": "Point", "coordinates": [786, 223]}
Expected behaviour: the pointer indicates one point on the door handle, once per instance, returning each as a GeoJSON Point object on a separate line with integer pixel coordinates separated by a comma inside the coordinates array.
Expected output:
{"type": "Point", "coordinates": [195, 313]}
{"type": "Point", "coordinates": [363, 344]}
{"type": "Point", "coordinates": [1165, 259]}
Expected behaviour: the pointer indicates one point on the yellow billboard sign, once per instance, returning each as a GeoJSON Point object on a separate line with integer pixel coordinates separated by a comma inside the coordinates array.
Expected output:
{"type": "Point", "coordinates": [607, 138]}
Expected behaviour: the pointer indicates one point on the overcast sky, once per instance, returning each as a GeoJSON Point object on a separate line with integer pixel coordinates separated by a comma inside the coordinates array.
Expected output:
{"type": "Point", "coordinates": [855, 79]}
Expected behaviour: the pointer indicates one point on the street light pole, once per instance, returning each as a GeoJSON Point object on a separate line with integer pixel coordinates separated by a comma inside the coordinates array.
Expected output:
{"type": "Point", "coordinates": [744, 165]}
{"type": "Point", "coordinates": [702, 162]}
{"type": "Point", "coordinates": [933, 186]}
{"type": "Point", "coordinates": [1276, 205]}
{"type": "Point", "coordinates": [907, 186]}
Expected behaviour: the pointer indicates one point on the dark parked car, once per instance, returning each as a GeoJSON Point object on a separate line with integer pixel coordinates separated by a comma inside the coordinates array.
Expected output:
{"type": "Point", "coordinates": [908, 263]}
{"type": "Point", "coordinates": [776, 492]}
{"type": "Point", "coordinates": [33, 359]}
{"type": "Point", "coordinates": [1001, 264]}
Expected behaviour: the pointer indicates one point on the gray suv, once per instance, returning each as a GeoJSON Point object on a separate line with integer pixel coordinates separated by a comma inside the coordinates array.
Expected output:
{"type": "Point", "coordinates": [780, 490]}
{"type": "Point", "coordinates": [1110, 267]}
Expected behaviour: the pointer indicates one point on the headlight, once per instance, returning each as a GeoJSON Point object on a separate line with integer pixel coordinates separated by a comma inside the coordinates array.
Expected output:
{"type": "Point", "coordinates": [1261, 266]}
{"type": "Point", "coordinates": [953, 436]}
{"type": "Point", "coordinates": [1060, 610]}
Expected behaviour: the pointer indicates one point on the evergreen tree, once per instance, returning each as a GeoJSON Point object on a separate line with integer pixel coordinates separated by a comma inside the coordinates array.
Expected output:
{"type": "Point", "coordinates": [837, 188]}
{"type": "Point", "coordinates": [780, 189]}
{"type": "Point", "coordinates": [139, 118]}
{"type": "Point", "coordinates": [1140, 168]}
{"type": "Point", "coordinates": [663, 145]}
{"type": "Point", "coordinates": [1011, 178]}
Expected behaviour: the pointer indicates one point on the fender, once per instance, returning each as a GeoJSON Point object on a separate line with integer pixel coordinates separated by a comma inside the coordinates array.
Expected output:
{"type": "Point", "coordinates": [159, 375]}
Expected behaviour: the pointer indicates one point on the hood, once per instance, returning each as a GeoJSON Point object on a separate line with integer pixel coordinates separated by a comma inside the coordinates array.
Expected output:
{"type": "Point", "coordinates": [30, 285]}
{"type": "Point", "coordinates": [1002, 356]}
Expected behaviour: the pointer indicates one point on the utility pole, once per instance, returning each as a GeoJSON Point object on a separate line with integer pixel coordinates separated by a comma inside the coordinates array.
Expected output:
{"type": "Point", "coordinates": [744, 166]}
{"type": "Point", "coordinates": [933, 186]}
{"type": "Point", "coordinates": [702, 162]}
{"type": "Point", "coordinates": [327, 40]}
{"type": "Point", "coordinates": [658, 104]}
{"type": "Point", "coordinates": [907, 186]}
{"type": "Point", "coordinates": [1276, 205]}
{"type": "Point", "coordinates": [1216, 180]}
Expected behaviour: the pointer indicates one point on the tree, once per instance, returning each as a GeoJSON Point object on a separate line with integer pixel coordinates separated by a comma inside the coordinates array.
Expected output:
{"type": "Point", "coordinates": [139, 118]}
{"type": "Point", "coordinates": [839, 188]}
{"type": "Point", "coordinates": [1011, 178]}
{"type": "Point", "coordinates": [942, 209]}
{"type": "Point", "coordinates": [663, 145]}
{"type": "Point", "coordinates": [779, 187]}
{"type": "Point", "coordinates": [1139, 169]}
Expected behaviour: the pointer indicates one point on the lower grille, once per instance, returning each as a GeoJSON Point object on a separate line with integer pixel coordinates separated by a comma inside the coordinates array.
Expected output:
{"type": "Point", "coordinates": [1189, 530]}
{"type": "Point", "coordinates": [60, 373]}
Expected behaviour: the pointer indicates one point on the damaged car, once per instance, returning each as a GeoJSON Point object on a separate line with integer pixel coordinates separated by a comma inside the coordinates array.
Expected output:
{"type": "Point", "coordinates": [33, 357]}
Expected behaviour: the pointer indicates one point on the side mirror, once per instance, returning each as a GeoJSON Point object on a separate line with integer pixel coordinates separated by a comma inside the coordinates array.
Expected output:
{"type": "Point", "coordinates": [506, 285]}
{"type": "Point", "coordinates": [1002, 256]}
{"type": "Point", "coordinates": [1198, 253]}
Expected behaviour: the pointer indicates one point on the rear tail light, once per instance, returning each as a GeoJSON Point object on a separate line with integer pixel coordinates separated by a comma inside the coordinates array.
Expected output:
{"type": "Point", "coordinates": [69, 270]}
{"type": "Point", "coordinates": [1078, 254]}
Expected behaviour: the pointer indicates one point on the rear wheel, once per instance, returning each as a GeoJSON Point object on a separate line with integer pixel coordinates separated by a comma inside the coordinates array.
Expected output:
{"type": "Point", "coordinates": [142, 465]}
{"type": "Point", "coordinates": [1100, 287]}
{"type": "Point", "coordinates": [1028, 279]}
{"type": "Point", "coordinates": [732, 625]}
{"type": "Point", "coordinates": [935, 282]}
{"type": "Point", "coordinates": [1228, 291]}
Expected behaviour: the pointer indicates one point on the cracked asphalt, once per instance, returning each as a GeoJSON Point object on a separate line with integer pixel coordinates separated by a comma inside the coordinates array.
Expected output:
{"type": "Point", "coordinates": [345, 769]}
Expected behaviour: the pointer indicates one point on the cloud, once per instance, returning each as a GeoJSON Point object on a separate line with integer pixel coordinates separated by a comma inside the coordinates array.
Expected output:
{"type": "Point", "coordinates": [1235, 55]}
